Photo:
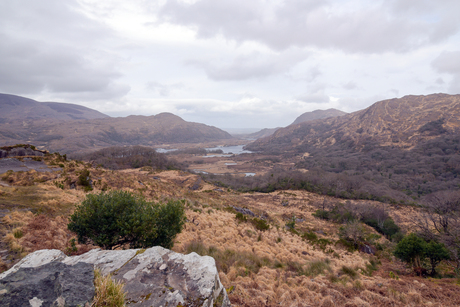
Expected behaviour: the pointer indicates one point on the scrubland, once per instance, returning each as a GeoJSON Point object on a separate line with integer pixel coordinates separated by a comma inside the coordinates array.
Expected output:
{"type": "Point", "coordinates": [276, 254]}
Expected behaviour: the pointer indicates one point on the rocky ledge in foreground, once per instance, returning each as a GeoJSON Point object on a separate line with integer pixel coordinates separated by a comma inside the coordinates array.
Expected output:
{"type": "Point", "coordinates": [152, 277]}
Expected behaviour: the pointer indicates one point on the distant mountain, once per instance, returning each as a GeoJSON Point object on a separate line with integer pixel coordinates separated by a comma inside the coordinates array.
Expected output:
{"type": "Point", "coordinates": [317, 114]}
{"type": "Point", "coordinates": [259, 134]}
{"type": "Point", "coordinates": [402, 122]}
{"type": "Point", "coordinates": [305, 117]}
{"type": "Point", "coordinates": [14, 108]}
{"type": "Point", "coordinates": [69, 128]}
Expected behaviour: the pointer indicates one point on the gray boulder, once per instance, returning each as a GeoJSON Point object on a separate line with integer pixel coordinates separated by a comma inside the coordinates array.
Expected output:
{"type": "Point", "coordinates": [152, 277]}
{"type": "Point", "coordinates": [52, 284]}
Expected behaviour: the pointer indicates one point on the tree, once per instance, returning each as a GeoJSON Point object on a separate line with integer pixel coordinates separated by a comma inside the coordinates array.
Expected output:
{"type": "Point", "coordinates": [436, 252]}
{"type": "Point", "coordinates": [411, 249]}
{"type": "Point", "coordinates": [441, 221]}
{"type": "Point", "coordinates": [354, 233]}
{"type": "Point", "coordinates": [119, 219]}
{"type": "Point", "coordinates": [414, 249]}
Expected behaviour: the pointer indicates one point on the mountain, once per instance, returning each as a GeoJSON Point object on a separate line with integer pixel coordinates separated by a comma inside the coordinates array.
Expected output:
{"type": "Point", "coordinates": [260, 134]}
{"type": "Point", "coordinates": [317, 114]}
{"type": "Point", "coordinates": [14, 108]}
{"type": "Point", "coordinates": [403, 122]}
{"type": "Point", "coordinates": [70, 128]}
{"type": "Point", "coordinates": [305, 117]}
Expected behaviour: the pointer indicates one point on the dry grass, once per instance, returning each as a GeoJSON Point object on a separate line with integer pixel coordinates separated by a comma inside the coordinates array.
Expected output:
{"type": "Point", "coordinates": [109, 293]}
{"type": "Point", "coordinates": [275, 267]}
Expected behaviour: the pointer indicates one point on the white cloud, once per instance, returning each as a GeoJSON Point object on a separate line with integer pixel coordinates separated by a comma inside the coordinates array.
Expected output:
{"type": "Point", "coordinates": [48, 46]}
{"type": "Point", "coordinates": [255, 64]}
{"type": "Point", "coordinates": [229, 63]}
{"type": "Point", "coordinates": [449, 62]}
{"type": "Point", "coordinates": [352, 26]}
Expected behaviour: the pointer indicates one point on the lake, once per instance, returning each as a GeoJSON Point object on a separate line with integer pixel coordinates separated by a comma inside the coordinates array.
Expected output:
{"type": "Point", "coordinates": [236, 149]}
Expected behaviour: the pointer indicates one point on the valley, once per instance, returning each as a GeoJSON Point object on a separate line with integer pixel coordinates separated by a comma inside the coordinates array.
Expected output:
{"type": "Point", "coordinates": [311, 214]}
{"type": "Point", "coordinates": [302, 264]}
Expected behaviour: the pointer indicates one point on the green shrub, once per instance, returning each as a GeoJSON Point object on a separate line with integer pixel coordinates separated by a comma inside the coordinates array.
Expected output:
{"type": "Point", "coordinates": [241, 217]}
{"type": "Point", "coordinates": [260, 224]}
{"type": "Point", "coordinates": [321, 214]}
{"type": "Point", "coordinates": [413, 249]}
{"type": "Point", "coordinates": [310, 237]}
{"type": "Point", "coordinates": [291, 223]}
{"type": "Point", "coordinates": [118, 218]}
{"type": "Point", "coordinates": [84, 180]}
{"type": "Point", "coordinates": [349, 271]}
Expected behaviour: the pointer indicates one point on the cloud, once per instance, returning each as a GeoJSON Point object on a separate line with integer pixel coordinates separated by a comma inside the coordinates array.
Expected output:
{"type": "Point", "coordinates": [318, 97]}
{"type": "Point", "coordinates": [351, 26]}
{"type": "Point", "coordinates": [449, 62]}
{"type": "Point", "coordinates": [255, 64]}
{"type": "Point", "coordinates": [350, 85]}
{"type": "Point", "coordinates": [163, 89]}
{"type": "Point", "coordinates": [50, 47]}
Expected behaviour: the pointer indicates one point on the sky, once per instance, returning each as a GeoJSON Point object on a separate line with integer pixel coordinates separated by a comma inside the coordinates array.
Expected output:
{"type": "Point", "coordinates": [228, 63]}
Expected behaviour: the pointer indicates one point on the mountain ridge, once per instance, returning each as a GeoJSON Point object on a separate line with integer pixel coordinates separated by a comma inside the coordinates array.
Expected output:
{"type": "Point", "coordinates": [392, 122]}
{"type": "Point", "coordinates": [317, 114]}
{"type": "Point", "coordinates": [13, 107]}
{"type": "Point", "coordinates": [70, 131]}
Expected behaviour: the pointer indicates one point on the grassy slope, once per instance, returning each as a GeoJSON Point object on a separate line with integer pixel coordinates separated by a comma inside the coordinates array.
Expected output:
{"type": "Point", "coordinates": [260, 268]}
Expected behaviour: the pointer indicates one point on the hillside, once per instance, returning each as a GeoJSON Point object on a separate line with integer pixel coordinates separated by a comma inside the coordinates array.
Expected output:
{"type": "Point", "coordinates": [305, 117]}
{"type": "Point", "coordinates": [70, 136]}
{"type": "Point", "coordinates": [402, 122]}
{"type": "Point", "coordinates": [16, 108]}
{"type": "Point", "coordinates": [270, 250]}
{"type": "Point", "coordinates": [260, 134]}
{"type": "Point", "coordinates": [317, 114]}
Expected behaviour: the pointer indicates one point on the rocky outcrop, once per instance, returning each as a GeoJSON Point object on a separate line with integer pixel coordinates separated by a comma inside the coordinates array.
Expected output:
{"type": "Point", "coordinates": [152, 277]}
{"type": "Point", "coordinates": [52, 284]}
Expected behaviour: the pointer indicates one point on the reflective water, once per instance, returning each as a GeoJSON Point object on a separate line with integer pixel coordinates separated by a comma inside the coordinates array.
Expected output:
{"type": "Point", "coordinates": [236, 150]}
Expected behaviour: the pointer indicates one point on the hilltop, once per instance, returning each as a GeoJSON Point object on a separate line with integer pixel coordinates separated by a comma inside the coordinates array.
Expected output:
{"type": "Point", "coordinates": [69, 128]}
{"type": "Point", "coordinates": [317, 114]}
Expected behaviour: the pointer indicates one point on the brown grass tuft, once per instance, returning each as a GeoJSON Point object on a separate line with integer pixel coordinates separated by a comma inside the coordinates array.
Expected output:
{"type": "Point", "coordinates": [109, 293]}
{"type": "Point", "coordinates": [327, 302]}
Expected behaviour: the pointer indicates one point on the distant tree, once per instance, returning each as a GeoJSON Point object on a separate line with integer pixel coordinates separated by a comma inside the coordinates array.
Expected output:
{"type": "Point", "coordinates": [411, 249]}
{"type": "Point", "coordinates": [119, 219]}
{"type": "Point", "coordinates": [436, 252]}
{"type": "Point", "coordinates": [354, 233]}
{"type": "Point", "coordinates": [441, 221]}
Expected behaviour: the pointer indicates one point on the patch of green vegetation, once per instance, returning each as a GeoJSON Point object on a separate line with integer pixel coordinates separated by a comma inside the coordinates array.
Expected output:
{"type": "Point", "coordinates": [371, 267]}
{"type": "Point", "coordinates": [351, 272]}
{"type": "Point", "coordinates": [240, 217]}
{"type": "Point", "coordinates": [260, 224]}
{"type": "Point", "coordinates": [84, 180]}
{"type": "Point", "coordinates": [119, 218]}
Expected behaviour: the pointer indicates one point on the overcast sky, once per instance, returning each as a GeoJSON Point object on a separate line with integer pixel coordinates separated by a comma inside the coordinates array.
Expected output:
{"type": "Point", "coordinates": [228, 63]}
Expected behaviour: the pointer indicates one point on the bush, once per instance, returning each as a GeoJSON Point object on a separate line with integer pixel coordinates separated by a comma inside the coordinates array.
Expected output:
{"type": "Point", "coordinates": [260, 224]}
{"type": "Point", "coordinates": [413, 249]}
{"type": "Point", "coordinates": [118, 218]}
